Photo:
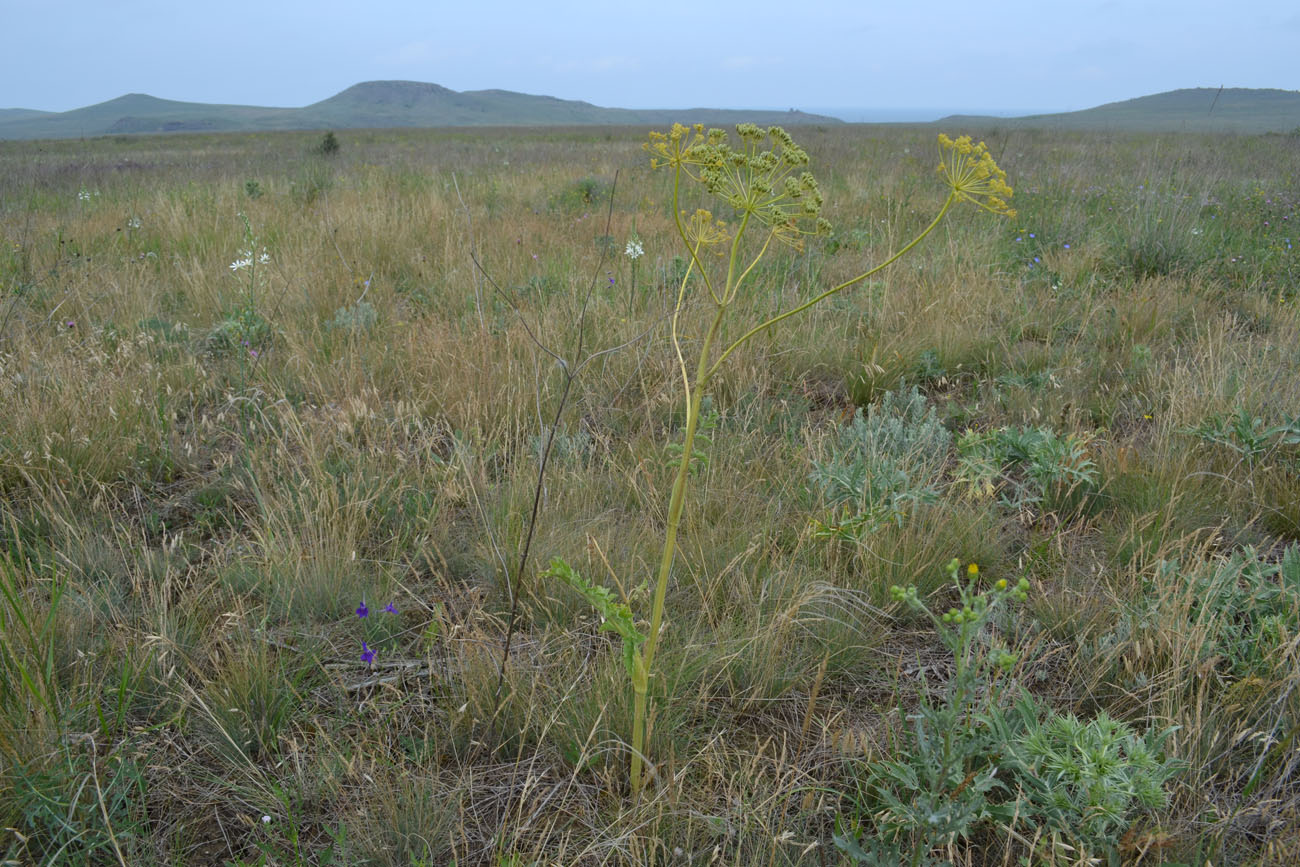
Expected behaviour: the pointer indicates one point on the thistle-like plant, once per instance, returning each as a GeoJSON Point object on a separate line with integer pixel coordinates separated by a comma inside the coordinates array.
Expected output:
{"type": "Point", "coordinates": [969, 757]}
{"type": "Point", "coordinates": [944, 781]}
{"type": "Point", "coordinates": [763, 181]}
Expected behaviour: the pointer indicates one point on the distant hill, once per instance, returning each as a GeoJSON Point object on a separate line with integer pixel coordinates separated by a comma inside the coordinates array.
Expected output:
{"type": "Point", "coordinates": [138, 112]}
{"type": "Point", "coordinates": [1201, 109]}
{"type": "Point", "coordinates": [371, 104]}
{"type": "Point", "coordinates": [20, 113]}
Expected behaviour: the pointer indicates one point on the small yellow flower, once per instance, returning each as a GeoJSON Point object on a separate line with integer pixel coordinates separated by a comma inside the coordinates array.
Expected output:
{"type": "Point", "coordinates": [703, 231]}
{"type": "Point", "coordinates": [971, 173]}
{"type": "Point", "coordinates": [1002, 584]}
{"type": "Point", "coordinates": [972, 570]}
{"type": "Point", "coordinates": [679, 146]}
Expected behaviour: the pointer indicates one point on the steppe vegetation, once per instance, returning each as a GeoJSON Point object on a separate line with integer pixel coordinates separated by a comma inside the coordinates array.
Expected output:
{"type": "Point", "coordinates": [270, 443]}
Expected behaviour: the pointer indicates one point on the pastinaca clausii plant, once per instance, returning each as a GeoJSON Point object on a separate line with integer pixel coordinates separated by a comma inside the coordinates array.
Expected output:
{"type": "Point", "coordinates": [763, 180]}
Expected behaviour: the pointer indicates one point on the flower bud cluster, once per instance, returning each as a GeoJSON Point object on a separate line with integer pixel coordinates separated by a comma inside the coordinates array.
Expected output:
{"type": "Point", "coordinates": [1020, 592]}
{"type": "Point", "coordinates": [974, 606]}
{"type": "Point", "coordinates": [903, 594]}
{"type": "Point", "coordinates": [967, 614]}
{"type": "Point", "coordinates": [1003, 659]}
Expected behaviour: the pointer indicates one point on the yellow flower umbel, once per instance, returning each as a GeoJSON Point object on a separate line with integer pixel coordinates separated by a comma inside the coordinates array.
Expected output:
{"type": "Point", "coordinates": [764, 178]}
{"type": "Point", "coordinates": [701, 230]}
{"type": "Point", "coordinates": [680, 146]}
{"type": "Point", "coordinates": [971, 174]}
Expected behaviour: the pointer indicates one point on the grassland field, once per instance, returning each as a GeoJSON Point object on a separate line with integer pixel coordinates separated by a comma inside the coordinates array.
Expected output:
{"type": "Point", "coordinates": [247, 389]}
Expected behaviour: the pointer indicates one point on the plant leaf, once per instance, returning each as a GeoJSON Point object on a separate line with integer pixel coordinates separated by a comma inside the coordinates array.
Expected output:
{"type": "Point", "coordinates": [615, 616]}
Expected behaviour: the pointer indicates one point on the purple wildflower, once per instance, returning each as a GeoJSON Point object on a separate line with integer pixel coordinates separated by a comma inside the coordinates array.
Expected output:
{"type": "Point", "coordinates": [390, 608]}
{"type": "Point", "coordinates": [367, 655]}
{"type": "Point", "coordinates": [362, 610]}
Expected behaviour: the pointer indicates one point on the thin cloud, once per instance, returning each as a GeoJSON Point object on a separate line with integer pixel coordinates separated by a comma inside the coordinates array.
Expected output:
{"type": "Point", "coordinates": [410, 54]}
{"type": "Point", "coordinates": [608, 63]}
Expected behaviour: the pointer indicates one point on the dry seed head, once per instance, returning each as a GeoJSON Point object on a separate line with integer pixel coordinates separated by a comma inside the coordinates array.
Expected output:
{"type": "Point", "coordinates": [780, 136]}
{"type": "Point", "coordinates": [764, 162]}
{"type": "Point", "coordinates": [794, 155]}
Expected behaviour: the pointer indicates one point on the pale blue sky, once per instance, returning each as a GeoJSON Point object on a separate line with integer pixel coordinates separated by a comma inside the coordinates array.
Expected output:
{"type": "Point", "coordinates": [1015, 56]}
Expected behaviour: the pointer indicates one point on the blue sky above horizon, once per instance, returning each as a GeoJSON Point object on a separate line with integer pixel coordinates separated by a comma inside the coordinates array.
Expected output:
{"type": "Point", "coordinates": [940, 57]}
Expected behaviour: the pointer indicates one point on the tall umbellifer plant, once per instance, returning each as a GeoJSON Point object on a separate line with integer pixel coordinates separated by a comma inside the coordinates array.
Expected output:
{"type": "Point", "coordinates": [763, 180]}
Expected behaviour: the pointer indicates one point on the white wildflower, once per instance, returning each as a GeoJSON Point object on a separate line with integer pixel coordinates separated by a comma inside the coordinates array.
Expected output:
{"type": "Point", "coordinates": [634, 250]}
{"type": "Point", "coordinates": [246, 258]}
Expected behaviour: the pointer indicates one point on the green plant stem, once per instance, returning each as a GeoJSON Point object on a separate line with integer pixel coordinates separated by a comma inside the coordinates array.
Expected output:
{"type": "Point", "coordinates": [639, 689]}
{"type": "Point", "coordinates": [952, 198]}
{"type": "Point", "coordinates": [681, 233]}
{"type": "Point", "coordinates": [676, 503]}
{"type": "Point", "coordinates": [729, 291]}
{"type": "Point", "coordinates": [761, 253]}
